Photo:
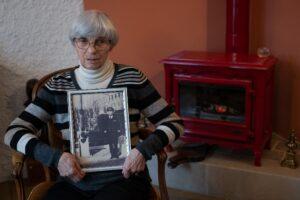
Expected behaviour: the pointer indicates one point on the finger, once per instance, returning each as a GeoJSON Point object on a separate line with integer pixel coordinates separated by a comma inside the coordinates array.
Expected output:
{"type": "Point", "coordinates": [126, 173]}
{"type": "Point", "coordinates": [68, 172]}
{"type": "Point", "coordinates": [74, 173]}
{"type": "Point", "coordinates": [142, 165]}
{"type": "Point", "coordinates": [138, 165]}
{"type": "Point", "coordinates": [139, 168]}
{"type": "Point", "coordinates": [77, 176]}
{"type": "Point", "coordinates": [79, 170]}
{"type": "Point", "coordinates": [74, 178]}
{"type": "Point", "coordinates": [125, 169]}
{"type": "Point", "coordinates": [132, 167]}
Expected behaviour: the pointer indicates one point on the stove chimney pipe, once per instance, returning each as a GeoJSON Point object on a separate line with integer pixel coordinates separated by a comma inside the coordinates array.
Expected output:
{"type": "Point", "coordinates": [237, 26]}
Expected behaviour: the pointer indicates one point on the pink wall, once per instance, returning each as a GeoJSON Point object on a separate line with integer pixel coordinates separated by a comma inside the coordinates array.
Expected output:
{"type": "Point", "coordinates": [216, 25]}
{"type": "Point", "coordinates": [151, 30]}
{"type": "Point", "coordinates": [275, 24]}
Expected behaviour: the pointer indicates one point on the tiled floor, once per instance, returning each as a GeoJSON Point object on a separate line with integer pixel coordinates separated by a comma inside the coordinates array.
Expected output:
{"type": "Point", "coordinates": [183, 195]}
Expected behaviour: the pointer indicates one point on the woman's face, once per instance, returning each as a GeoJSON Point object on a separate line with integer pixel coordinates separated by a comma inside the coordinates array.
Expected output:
{"type": "Point", "coordinates": [92, 52]}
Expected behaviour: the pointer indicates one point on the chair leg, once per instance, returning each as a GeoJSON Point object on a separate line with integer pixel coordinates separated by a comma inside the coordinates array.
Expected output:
{"type": "Point", "coordinates": [18, 179]}
{"type": "Point", "coordinates": [162, 158]}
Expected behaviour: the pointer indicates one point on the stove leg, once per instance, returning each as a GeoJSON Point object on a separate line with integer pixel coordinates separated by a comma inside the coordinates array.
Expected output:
{"type": "Point", "coordinates": [257, 158]}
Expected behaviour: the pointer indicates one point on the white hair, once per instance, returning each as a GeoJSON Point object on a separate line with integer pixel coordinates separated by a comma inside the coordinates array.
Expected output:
{"type": "Point", "coordinates": [93, 23]}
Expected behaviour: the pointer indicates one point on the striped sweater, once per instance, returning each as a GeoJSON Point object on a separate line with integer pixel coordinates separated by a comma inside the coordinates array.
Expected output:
{"type": "Point", "coordinates": [51, 103]}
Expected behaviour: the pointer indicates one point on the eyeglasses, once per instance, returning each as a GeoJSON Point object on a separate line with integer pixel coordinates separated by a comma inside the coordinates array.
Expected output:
{"type": "Point", "coordinates": [84, 43]}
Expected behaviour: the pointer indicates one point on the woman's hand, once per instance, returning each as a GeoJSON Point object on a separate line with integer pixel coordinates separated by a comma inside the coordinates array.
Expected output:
{"type": "Point", "coordinates": [134, 163]}
{"type": "Point", "coordinates": [69, 167]}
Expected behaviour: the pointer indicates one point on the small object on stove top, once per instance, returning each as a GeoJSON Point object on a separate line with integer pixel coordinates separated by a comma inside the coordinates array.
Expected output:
{"type": "Point", "coordinates": [263, 52]}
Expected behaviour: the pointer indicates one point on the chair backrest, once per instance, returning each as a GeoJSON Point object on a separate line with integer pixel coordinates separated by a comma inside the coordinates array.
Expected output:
{"type": "Point", "coordinates": [44, 79]}
{"type": "Point", "coordinates": [54, 138]}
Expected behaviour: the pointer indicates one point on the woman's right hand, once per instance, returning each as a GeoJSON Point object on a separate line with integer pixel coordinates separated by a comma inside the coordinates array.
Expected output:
{"type": "Point", "coordinates": [68, 166]}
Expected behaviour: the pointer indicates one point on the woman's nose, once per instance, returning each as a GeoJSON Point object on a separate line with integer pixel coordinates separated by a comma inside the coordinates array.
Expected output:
{"type": "Point", "coordinates": [91, 48]}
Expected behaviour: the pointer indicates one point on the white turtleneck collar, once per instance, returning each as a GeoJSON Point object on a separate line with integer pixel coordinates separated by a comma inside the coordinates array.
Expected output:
{"type": "Point", "coordinates": [94, 79]}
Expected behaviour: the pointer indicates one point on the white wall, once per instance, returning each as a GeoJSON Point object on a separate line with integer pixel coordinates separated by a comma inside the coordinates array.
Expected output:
{"type": "Point", "coordinates": [33, 42]}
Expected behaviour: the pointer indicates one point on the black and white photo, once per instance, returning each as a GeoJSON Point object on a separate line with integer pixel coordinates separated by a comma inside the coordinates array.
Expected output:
{"type": "Point", "coordinates": [99, 128]}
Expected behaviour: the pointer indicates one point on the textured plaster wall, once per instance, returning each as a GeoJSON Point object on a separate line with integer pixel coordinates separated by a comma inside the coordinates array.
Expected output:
{"type": "Point", "coordinates": [33, 42]}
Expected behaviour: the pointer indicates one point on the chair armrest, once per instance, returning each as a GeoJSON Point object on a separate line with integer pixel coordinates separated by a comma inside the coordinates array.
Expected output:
{"type": "Point", "coordinates": [161, 160]}
{"type": "Point", "coordinates": [18, 160]}
{"type": "Point", "coordinates": [39, 191]}
{"type": "Point", "coordinates": [144, 133]}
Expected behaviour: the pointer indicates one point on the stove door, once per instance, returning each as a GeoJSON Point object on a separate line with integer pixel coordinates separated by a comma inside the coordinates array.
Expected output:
{"type": "Point", "coordinates": [214, 106]}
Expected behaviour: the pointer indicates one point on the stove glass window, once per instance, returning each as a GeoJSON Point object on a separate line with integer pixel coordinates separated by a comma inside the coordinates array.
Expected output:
{"type": "Point", "coordinates": [212, 101]}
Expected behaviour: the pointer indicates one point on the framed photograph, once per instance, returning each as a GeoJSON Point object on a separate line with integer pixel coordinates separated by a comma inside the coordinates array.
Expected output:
{"type": "Point", "coordinates": [99, 125]}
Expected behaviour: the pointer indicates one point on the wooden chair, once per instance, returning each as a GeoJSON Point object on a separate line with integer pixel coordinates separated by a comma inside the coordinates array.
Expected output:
{"type": "Point", "coordinates": [54, 139]}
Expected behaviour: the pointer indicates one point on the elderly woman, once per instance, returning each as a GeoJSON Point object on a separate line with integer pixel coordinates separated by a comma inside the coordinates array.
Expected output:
{"type": "Point", "coordinates": [93, 36]}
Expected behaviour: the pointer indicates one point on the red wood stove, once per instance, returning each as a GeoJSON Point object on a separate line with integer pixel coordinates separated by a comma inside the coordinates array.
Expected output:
{"type": "Point", "coordinates": [224, 98]}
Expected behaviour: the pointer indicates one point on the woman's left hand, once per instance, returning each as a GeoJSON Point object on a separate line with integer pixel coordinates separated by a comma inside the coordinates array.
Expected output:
{"type": "Point", "coordinates": [134, 163]}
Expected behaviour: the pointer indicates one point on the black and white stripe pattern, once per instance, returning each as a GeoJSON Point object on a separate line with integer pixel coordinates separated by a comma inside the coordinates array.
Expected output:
{"type": "Point", "coordinates": [129, 76]}
{"type": "Point", "coordinates": [51, 103]}
{"type": "Point", "coordinates": [61, 82]}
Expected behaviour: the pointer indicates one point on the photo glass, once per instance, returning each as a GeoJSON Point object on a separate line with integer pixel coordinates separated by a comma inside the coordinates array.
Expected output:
{"type": "Point", "coordinates": [99, 125]}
